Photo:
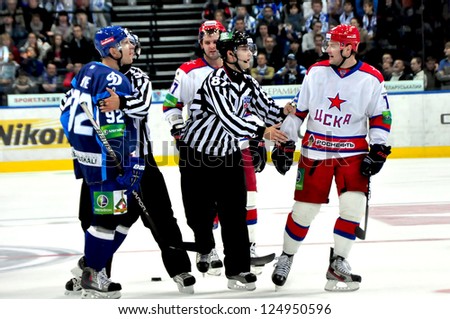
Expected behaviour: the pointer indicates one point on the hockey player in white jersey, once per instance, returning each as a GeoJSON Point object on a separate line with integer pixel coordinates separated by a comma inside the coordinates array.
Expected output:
{"type": "Point", "coordinates": [348, 110]}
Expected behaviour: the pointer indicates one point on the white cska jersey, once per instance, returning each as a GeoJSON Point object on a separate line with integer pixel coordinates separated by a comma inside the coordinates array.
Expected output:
{"type": "Point", "coordinates": [352, 104]}
{"type": "Point", "coordinates": [188, 78]}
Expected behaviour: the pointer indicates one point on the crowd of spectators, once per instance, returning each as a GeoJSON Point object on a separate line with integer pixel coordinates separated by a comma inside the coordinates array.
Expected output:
{"type": "Point", "coordinates": [43, 43]}
{"type": "Point", "coordinates": [37, 36]}
{"type": "Point", "coordinates": [413, 32]}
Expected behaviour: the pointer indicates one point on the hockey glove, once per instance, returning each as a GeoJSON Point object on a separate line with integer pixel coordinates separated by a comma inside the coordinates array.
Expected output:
{"type": "Point", "coordinates": [259, 154]}
{"type": "Point", "coordinates": [283, 156]}
{"type": "Point", "coordinates": [131, 177]}
{"type": "Point", "coordinates": [374, 161]}
{"type": "Point", "coordinates": [176, 133]}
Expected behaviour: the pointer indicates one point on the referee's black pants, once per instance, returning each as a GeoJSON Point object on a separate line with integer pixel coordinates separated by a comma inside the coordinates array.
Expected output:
{"type": "Point", "coordinates": [209, 182]}
{"type": "Point", "coordinates": [164, 228]}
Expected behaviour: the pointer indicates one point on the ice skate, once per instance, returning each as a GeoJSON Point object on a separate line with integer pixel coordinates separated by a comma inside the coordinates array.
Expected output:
{"type": "Point", "coordinates": [185, 282]}
{"type": "Point", "coordinates": [282, 269]}
{"type": "Point", "coordinates": [339, 275]}
{"type": "Point", "coordinates": [243, 281]}
{"type": "Point", "coordinates": [255, 269]}
{"type": "Point", "coordinates": [97, 285]}
{"type": "Point", "coordinates": [73, 286]}
{"type": "Point", "coordinates": [215, 265]}
{"type": "Point", "coordinates": [203, 263]}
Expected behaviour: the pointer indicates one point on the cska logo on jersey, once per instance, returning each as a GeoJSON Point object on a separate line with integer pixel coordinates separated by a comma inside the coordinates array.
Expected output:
{"type": "Point", "coordinates": [336, 102]}
{"type": "Point", "coordinates": [246, 101]}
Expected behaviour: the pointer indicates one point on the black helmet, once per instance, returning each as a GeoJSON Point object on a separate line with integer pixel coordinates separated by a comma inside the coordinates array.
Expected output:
{"type": "Point", "coordinates": [231, 41]}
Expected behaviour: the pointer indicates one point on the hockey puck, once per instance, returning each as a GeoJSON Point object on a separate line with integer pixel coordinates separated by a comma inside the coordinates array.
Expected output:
{"type": "Point", "coordinates": [156, 279]}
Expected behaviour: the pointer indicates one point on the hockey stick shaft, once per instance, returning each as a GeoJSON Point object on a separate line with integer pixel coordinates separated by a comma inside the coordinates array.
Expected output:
{"type": "Point", "coordinates": [113, 155]}
{"type": "Point", "coordinates": [361, 233]}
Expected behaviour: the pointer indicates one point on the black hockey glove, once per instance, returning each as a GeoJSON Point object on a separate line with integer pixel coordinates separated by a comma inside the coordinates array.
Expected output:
{"type": "Point", "coordinates": [132, 175]}
{"type": "Point", "coordinates": [259, 154]}
{"type": "Point", "coordinates": [283, 156]}
{"type": "Point", "coordinates": [374, 161]}
{"type": "Point", "coordinates": [176, 133]}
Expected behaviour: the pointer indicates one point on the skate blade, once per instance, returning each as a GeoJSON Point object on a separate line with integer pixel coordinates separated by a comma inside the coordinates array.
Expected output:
{"type": "Point", "coordinates": [234, 284]}
{"type": "Point", "coordinates": [94, 294]}
{"type": "Point", "coordinates": [214, 271]}
{"type": "Point", "coordinates": [189, 290]}
{"type": "Point", "coordinates": [340, 286]}
{"type": "Point", "coordinates": [257, 270]}
{"type": "Point", "coordinates": [278, 288]}
{"type": "Point", "coordinates": [72, 292]}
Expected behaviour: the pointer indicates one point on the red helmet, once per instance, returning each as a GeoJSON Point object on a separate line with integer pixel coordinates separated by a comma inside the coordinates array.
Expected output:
{"type": "Point", "coordinates": [344, 34]}
{"type": "Point", "coordinates": [210, 26]}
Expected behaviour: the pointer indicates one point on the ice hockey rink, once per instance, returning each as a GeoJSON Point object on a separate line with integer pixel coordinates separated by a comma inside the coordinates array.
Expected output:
{"type": "Point", "coordinates": [404, 261]}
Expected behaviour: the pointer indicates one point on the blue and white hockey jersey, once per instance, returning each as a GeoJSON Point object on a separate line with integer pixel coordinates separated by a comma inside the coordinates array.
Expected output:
{"type": "Point", "coordinates": [91, 159]}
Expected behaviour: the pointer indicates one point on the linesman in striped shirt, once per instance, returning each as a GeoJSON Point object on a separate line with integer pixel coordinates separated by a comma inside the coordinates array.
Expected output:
{"type": "Point", "coordinates": [211, 168]}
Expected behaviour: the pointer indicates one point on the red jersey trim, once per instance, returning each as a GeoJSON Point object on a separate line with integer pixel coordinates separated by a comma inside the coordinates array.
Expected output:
{"type": "Point", "coordinates": [192, 65]}
{"type": "Point", "coordinates": [372, 71]}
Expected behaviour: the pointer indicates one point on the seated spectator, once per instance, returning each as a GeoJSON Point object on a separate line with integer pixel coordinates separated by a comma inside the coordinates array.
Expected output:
{"type": "Point", "coordinates": [348, 13]}
{"type": "Point", "coordinates": [31, 64]}
{"type": "Point", "coordinates": [50, 81]}
{"type": "Point", "coordinates": [399, 72]}
{"type": "Point", "coordinates": [80, 49]}
{"type": "Point", "coordinates": [89, 29]}
{"type": "Point", "coordinates": [317, 15]}
{"type": "Point", "coordinates": [263, 33]}
{"type": "Point", "coordinates": [14, 30]}
{"type": "Point", "coordinates": [268, 17]}
{"type": "Point", "coordinates": [369, 21]}
{"type": "Point", "coordinates": [7, 77]}
{"type": "Point", "coordinates": [418, 73]}
{"type": "Point", "coordinates": [250, 22]}
{"type": "Point", "coordinates": [40, 46]}
{"type": "Point", "coordinates": [8, 41]}
{"type": "Point", "coordinates": [308, 38]}
{"type": "Point", "coordinates": [239, 25]}
{"type": "Point", "coordinates": [258, 9]}
{"type": "Point", "coordinates": [58, 53]}
{"type": "Point", "coordinates": [62, 26]}
{"type": "Point", "coordinates": [366, 45]}
{"type": "Point", "coordinates": [291, 73]}
{"type": "Point", "coordinates": [292, 13]}
{"type": "Point", "coordinates": [273, 53]}
{"type": "Point", "coordinates": [212, 6]}
{"type": "Point", "coordinates": [262, 72]}
{"type": "Point", "coordinates": [33, 9]}
{"type": "Point", "coordinates": [73, 70]}
{"type": "Point", "coordinates": [443, 71]}
{"type": "Point", "coordinates": [37, 27]}
{"type": "Point", "coordinates": [219, 16]}
{"type": "Point", "coordinates": [315, 55]}
{"type": "Point", "coordinates": [14, 9]}
{"type": "Point", "coordinates": [386, 70]}
{"type": "Point", "coordinates": [4, 52]}
{"type": "Point", "coordinates": [431, 67]}
{"type": "Point", "coordinates": [286, 35]}
{"type": "Point", "coordinates": [24, 84]}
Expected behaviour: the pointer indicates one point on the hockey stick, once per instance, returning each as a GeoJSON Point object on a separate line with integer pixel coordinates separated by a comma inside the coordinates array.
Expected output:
{"type": "Point", "coordinates": [111, 153]}
{"type": "Point", "coordinates": [361, 233]}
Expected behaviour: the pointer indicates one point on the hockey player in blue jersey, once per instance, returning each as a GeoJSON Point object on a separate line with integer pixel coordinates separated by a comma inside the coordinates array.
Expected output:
{"type": "Point", "coordinates": [110, 188]}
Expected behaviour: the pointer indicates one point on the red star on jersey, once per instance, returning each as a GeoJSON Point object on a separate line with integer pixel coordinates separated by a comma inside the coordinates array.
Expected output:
{"type": "Point", "coordinates": [336, 102]}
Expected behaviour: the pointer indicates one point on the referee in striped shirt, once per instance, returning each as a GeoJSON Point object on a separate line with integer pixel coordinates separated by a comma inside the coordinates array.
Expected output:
{"type": "Point", "coordinates": [210, 159]}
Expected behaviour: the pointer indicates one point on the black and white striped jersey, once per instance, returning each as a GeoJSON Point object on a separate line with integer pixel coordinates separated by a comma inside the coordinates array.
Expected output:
{"type": "Point", "coordinates": [137, 106]}
{"type": "Point", "coordinates": [218, 115]}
